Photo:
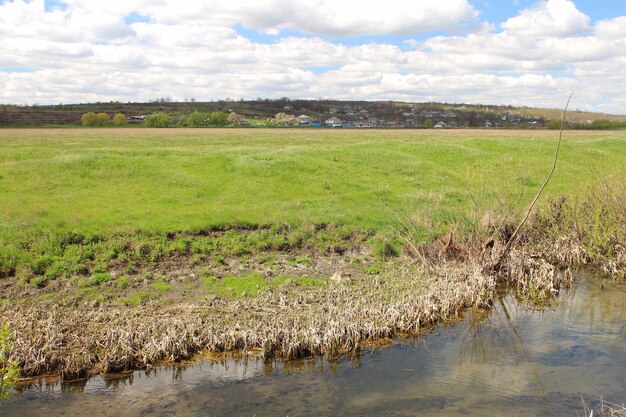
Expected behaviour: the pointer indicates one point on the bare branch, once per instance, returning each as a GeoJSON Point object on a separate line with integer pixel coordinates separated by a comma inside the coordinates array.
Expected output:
{"type": "Point", "coordinates": [509, 244]}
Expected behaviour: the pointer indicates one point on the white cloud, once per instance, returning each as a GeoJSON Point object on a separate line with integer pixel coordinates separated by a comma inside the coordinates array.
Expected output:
{"type": "Point", "coordinates": [549, 18]}
{"type": "Point", "coordinates": [356, 17]}
{"type": "Point", "coordinates": [612, 29]}
{"type": "Point", "coordinates": [318, 17]}
{"type": "Point", "coordinates": [192, 49]}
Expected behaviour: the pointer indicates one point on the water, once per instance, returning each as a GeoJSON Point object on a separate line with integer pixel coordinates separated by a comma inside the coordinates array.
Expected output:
{"type": "Point", "coordinates": [513, 360]}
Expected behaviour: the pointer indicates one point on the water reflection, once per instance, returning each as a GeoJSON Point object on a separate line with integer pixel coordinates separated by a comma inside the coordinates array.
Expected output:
{"type": "Point", "coordinates": [515, 359]}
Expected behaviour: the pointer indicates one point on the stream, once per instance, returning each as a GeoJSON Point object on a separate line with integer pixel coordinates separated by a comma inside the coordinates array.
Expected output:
{"type": "Point", "coordinates": [515, 359]}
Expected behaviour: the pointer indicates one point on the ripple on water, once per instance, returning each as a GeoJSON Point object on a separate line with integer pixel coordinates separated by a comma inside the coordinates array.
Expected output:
{"type": "Point", "coordinates": [514, 361]}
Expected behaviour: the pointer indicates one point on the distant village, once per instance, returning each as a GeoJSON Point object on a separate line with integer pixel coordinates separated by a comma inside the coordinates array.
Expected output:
{"type": "Point", "coordinates": [354, 116]}
{"type": "Point", "coordinates": [298, 113]}
{"type": "Point", "coordinates": [357, 116]}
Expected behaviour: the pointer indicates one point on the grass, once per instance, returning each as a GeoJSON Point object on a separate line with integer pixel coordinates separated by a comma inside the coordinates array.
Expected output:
{"type": "Point", "coordinates": [237, 286]}
{"type": "Point", "coordinates": [70, 180]}
{"type": "Point", "coordinates": [76, 201]}
{"type": "Point", "coordinates": [136, 298]}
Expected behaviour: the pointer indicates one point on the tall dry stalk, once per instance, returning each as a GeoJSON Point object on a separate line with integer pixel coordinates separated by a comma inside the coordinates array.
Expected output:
{"type": "Point", "coordinates": [509, 244]}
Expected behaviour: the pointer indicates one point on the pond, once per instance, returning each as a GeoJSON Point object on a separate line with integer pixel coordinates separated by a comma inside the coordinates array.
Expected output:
{"type": "Point", "coordinates": [512, 360]}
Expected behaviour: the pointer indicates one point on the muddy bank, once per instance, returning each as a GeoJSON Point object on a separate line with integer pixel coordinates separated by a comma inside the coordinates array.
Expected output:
{"type": "Point", "coordinates": [78, 339]}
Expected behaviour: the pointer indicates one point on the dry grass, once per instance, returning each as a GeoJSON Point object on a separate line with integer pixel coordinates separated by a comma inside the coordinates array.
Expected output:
{"type": "Point", "coordinates": [605, 409]}
{"type": "Point", "coordinates": [76, 342]}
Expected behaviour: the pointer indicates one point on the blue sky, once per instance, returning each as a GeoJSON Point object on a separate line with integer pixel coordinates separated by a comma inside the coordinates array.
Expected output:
{"type": "Point", "coordinates": [520, 52]}
{"type": "Point", "coordinates": [499, 11]}
{"type": "Point", "coordinates": [495, 12]}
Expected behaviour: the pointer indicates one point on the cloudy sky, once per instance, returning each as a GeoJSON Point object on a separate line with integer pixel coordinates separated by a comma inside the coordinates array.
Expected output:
{"type": "Point", "coordinates": [520, 52]}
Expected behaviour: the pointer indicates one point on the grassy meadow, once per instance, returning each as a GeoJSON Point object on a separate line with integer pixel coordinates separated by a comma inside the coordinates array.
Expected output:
{"type": "Point", "coordinates": [102, 181]}
{"type": "Point", "coordinates": [109, 183]}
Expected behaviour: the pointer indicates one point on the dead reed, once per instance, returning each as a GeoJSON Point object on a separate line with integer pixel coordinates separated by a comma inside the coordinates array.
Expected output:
{"type": "Point", "coordinates": [77, 342]}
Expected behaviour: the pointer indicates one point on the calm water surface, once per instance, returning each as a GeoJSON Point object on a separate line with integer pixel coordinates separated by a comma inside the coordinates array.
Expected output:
{"type": "Point", "coordinates": [514, 360]}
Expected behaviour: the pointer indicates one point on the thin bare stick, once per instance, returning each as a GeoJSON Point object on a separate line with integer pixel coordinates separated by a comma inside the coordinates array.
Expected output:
{"type": "Point", "coordinates": [509, 244]}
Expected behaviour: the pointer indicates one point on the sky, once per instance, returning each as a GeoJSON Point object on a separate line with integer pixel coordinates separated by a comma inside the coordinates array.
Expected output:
{"type": "Point", "coordinates": [517, 52]}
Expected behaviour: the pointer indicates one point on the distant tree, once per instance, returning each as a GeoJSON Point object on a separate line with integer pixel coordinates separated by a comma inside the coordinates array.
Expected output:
{"type": "Point", "coordinates": [428, 123]}
{"type": "Point", "coordinates": [119, 119]}
{"type": "Point", "coordinates": [102, 119]}
{"type": "Point", "coordinates": [89, 119]}
{"type": "Point", "coordinates": [196, 119]}
{"type": "Point", "coordinates": [235, 119]}
{"type": "Point", "coordinates": [218, 118]}
{"type": "Point", "coordinates": [553, 124]}
{"type": "Point", "coordinates": [159, 120]}
{"type": "Point", "coordinates": [281, 116]}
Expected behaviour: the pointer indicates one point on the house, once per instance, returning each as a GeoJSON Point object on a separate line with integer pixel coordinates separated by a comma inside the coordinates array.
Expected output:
{"type": "Point", "coordinates": [334, 122]}
{"type": "Point", "coordinates": [440, 125]}
{"type": "Point", "coordinates": [429, 114]}
{"type": "Point", "coordinates": [364, 114]}
{"type": "Point", "coordinates": [488, 124]}
{"type": "Point", "coordinates": [303, 120]}
{"type": "Point", "coordinates": [395, 124]}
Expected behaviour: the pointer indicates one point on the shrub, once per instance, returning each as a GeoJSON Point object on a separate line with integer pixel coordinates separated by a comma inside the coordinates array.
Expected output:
{"type": "Point", "coordinates": [218, 118]}
{"type": "Point", "coordinates": [119, 119]}
{"type": "Point", "coordinates": [92, 119]}
{"type": "Point", "coordinates": [553, 124]}
{"type": "Point", "coordinates": [235, 119]}
{"type": "Point", "coordinates": [196, 119]}
{"type": "Point", "coordinates": [159, 120]}
{"type": "Point", "coordinates": [102, 119]}
{"type": "Point", "coordinates": [89, 119]}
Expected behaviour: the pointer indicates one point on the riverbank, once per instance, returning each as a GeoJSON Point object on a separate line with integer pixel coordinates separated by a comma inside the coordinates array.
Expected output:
{"type": "Point", "coordinates": [281, 246]}
{"type": "Point", "coordinates": [295, 303]}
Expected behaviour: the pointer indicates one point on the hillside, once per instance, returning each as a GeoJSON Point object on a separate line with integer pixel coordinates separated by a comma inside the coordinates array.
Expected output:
{"type": "Point", "coordinates": [351, 113]}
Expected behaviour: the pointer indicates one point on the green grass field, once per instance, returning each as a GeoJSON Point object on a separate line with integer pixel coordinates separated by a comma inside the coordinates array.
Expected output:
{"type": "Point", "coordinates": [109, 181]}
{"type": "Point", "coordinates": [99, 181]}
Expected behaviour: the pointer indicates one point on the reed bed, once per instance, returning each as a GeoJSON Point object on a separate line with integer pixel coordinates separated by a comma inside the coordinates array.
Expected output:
{"type": "Point", "coordinates": [329, 320]}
